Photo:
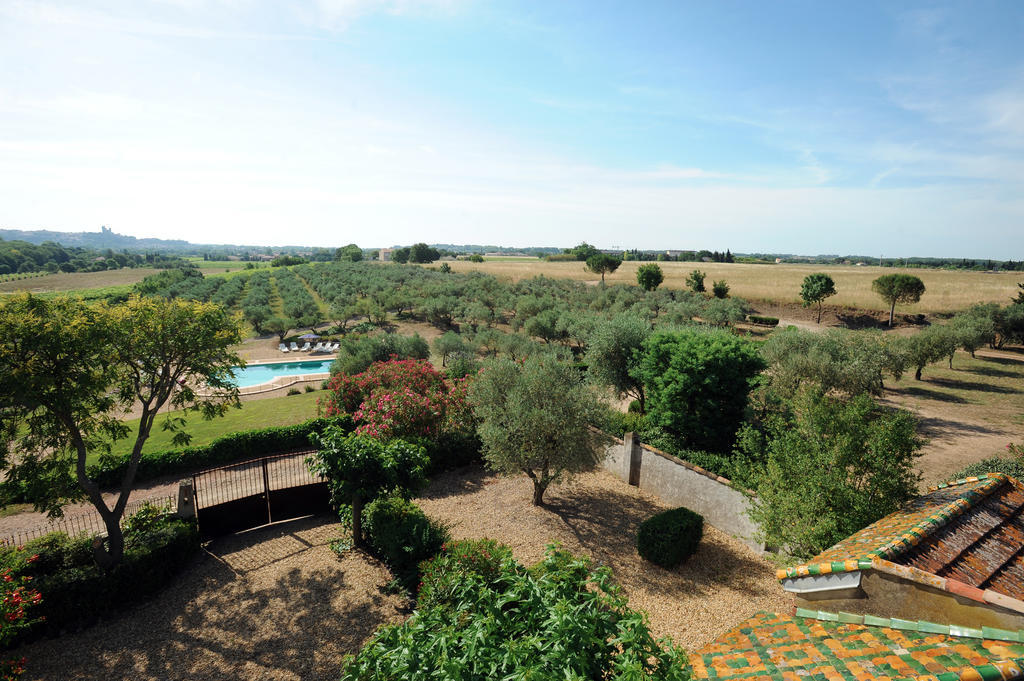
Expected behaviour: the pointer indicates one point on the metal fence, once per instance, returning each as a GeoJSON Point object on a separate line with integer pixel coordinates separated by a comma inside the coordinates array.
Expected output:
{"type": "Point", "coordinates": [256, 492]}
{"type": "Point", "coordinates": [88, 522]}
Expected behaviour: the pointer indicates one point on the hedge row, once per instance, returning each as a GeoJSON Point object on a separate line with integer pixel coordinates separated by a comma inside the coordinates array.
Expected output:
{"type": "Point", "coordinates": [245, 444]}
{"type": "Point", "coordinates": [77, 593]}
{"type": "Point", "coordinates": [766, 321]}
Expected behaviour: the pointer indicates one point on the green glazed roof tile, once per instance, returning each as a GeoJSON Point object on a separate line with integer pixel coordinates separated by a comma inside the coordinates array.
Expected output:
{"type": "Point", "coordinates": [830, 647]}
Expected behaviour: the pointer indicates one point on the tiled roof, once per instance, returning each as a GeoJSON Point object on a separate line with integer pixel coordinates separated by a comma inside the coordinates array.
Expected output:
{"type": "Point", "coordinates": [970, 532]}
{"type": "Point", "coordinates": [820, 645]}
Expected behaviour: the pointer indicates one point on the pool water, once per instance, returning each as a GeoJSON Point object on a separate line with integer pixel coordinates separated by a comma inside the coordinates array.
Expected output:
{"type": "Point", "coordinates": [255, 374]}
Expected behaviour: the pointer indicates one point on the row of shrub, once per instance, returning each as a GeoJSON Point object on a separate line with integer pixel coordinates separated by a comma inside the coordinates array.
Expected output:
{"type": "Point", "coordinates": [77, 592]}
{"type": "Point", "coordinates": [764, 321]}
{"type": "Point", "coordinates": [239, 446]}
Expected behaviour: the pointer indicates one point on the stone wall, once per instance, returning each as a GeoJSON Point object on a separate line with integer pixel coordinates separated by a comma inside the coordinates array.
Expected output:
{"type": "Point", "coordinates": [681, 483]}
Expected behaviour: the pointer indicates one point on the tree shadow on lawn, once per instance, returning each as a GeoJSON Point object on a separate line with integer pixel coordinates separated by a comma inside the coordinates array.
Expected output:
{"type": "Point", "coordinates": [940, 428]}
{"type": "Point", "coordinates": [605, 524]}
{"type": "Point", "coordinates": [956, 384]}
{"type": "Point", "coordinates": [293, 622]}
{"type": "Point", "coordinates": [925, 394]}
{"type": "Point", "coordinates": [992, 372]}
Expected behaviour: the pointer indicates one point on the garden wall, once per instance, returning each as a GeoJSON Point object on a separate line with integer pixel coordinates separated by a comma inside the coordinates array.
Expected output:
{"type": "Point", "coordinates": [683, 484]}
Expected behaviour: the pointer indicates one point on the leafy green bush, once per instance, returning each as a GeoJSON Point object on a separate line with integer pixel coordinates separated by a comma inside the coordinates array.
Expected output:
{"type": "Point", "coordinates": [562, 619]}
{"type": "Point", "coordinates": [443, 575]}
{"type": "Point", "coordinates": [245, 444]}
{"type": "Point", "coordinates": [310, 388]}
{"type": "Point", "coordinates": [670, 537]}
{"type": "Point", "coordinates": [1012, 466]}
{"type": "Point", "coordinates": [294, 391]}
{"type": "Point", "coordinates": [832, 468]}
{"type": "Point", "coordinates": [403, 536]}
{"type": "Point", "coordinates": [764, 321]}
{"type": "Point", "coordinates": [697, 383]}
{"type": "Point", "coordinates": [77, 592]}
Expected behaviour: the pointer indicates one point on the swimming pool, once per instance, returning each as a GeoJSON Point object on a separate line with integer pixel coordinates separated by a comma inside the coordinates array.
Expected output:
{"type": "Point", "coordinates": [255, 374]}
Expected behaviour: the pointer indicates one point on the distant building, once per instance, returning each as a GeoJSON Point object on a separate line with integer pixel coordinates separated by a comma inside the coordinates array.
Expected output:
{"type": "Point", "coordinates": [674, 254]}
{"type": "Point", "coordinates": [385, 254]}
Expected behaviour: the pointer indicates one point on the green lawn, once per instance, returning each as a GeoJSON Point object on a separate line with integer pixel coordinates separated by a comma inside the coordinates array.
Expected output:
{"type": "Point", "coordinates": [275, 411]}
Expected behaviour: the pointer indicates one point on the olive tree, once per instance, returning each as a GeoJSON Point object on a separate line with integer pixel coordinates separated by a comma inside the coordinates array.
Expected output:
{"type": "Point", "coordinates": [815, 289]}
{"type": "Point", "coordinates": [70, 370]}
{"type": "Point", "coordinates": [535, 418]}
{"type": "Point", "coordinates": [614, 350]}
{"type": "Point", "coordinates": [695, 280]}
{"type": "Point", "coordinates": [898, 288]}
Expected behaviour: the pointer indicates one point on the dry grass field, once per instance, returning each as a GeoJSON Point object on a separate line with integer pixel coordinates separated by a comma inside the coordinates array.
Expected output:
{"type": "Point", "coordinates": [946, 290]}
{"type": "Point", "coordinates": [74, 281]}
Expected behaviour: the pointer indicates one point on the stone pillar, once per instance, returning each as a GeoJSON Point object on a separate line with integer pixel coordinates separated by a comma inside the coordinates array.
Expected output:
{"type": "Point", "coordinates": [633, 456]}
{"type": "Point", "coordinates": [186, 500]}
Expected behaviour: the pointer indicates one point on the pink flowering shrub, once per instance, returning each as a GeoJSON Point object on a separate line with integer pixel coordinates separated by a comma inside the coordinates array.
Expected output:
{"type": "Point", "coordinates": [407, 399]}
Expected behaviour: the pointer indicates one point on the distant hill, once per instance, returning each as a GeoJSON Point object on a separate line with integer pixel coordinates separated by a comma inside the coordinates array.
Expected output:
{"type": "Point", "coordinates": [105, 238]}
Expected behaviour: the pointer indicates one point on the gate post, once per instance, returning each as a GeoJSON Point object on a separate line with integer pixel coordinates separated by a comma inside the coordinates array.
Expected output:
{"type": "Point", "coordinates": [266, 489]}
{"type": "Point", "coordinates": [186, 500]}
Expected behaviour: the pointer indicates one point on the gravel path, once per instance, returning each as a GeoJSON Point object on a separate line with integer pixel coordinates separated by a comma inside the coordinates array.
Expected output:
{"type": "Point", "coordinates": [722, 584]}
{"type": "Point", "coordinates": [273, 604]}
{"type": "Point", "coordinates": [276, 603]}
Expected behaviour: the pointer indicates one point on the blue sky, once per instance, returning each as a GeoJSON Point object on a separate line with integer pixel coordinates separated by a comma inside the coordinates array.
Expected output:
{"type": "Point", "coordinates": [797, 127]}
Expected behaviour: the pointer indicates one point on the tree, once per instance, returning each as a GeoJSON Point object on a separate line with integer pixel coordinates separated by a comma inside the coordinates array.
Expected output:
{"type": "Point", "coordinates": [257, 315]}
{"type": "Point", "coordinates": [583, 251]}
{"type": "Point", "coordinates": [697, 384]}
{"type": "Point", "coordinates": [279, 326]}
{"type": "Point", "coordinates": [350, 253]}
{"type": "Point", "coordinates": [602, 263]}
{"type": "Point", "coordinates": [695, 281]}
{"type": "Point", "coordinates": [930, 345]}
{"type": "Point", "coordinates": [898, 288]}
{"type": "Point", "coordinates": [1019, 300]}
{"type": "Point", "coordinates": [535, 418]}
{"type": "Point", "coordinates": [815, 289]}
{"type": "Point", "coordinates": [614, 350]}
{"type": "Point", "coordinates": [447, 344]}
{"type": "Point", "coordinates": [401, 255]}
{"type": "Point", "coordinates": [423, 253]}
{"type": "Point", "coordinates": [69, 371]}
{"type": "Point", "coordinates": [649, 276]}
{"type": "Point", "coordinates": [833, 467]}
{"type": "Point", "coordinates": [359, 469]}
{"type": "Point", "coordinates": [720, 289]}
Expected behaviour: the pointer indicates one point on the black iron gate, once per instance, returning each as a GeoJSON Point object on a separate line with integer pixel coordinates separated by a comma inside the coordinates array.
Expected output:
{"type": "Point", "coordinates": [257, 492]}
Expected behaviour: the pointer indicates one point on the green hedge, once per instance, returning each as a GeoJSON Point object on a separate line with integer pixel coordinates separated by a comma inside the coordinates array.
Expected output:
{"type": "Point", "coordinates": [765, 321]}
{"type": "Point", "coordinates": [403, 536]}
{"type": "Point", "coordinates": [669, 538]}
{"type": "Point", "coordinates": [245, 444]}
{"type": "Point", "coordinates": [77, 593]}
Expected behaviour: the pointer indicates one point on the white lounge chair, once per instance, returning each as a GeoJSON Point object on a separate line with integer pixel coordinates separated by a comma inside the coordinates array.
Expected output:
{"type": "Point", "coordinates": [294, 346]}
{"type": "Point", "coordinates": [319, 347]}
{"type": "Point", "coordinates": [334, 348]}
{"type": "Point", "coordinates": [282, 347]}
{"type": "Point", "coordinates": [305, 348]}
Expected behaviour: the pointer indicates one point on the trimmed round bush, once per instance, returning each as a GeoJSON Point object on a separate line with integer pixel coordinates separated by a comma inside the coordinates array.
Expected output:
{"type": "Point", "coordinates": [669, 538]}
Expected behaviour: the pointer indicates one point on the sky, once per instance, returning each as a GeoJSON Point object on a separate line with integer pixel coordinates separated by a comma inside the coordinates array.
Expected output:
{"type": "Point", "coordinates": [892, 129]}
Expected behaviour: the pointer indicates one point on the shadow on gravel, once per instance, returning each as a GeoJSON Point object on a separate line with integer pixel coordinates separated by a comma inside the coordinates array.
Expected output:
{"type": "Point", "coordinates": [605, 524]}
{"type": "Point", "coordinates": [938, 428]}
{"type": "Point", "coordinates": [293, 618]}
{"type": "Point", "coordinates": [466, 480]}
